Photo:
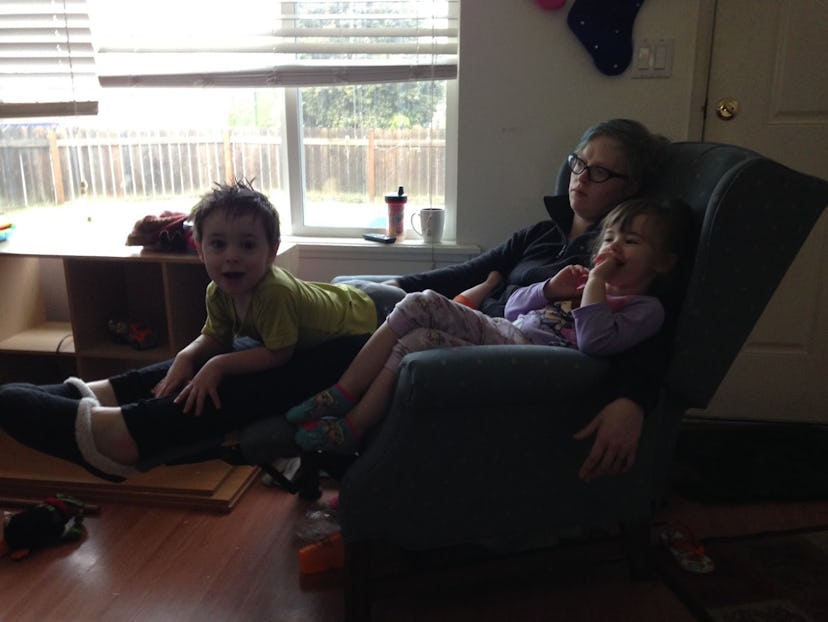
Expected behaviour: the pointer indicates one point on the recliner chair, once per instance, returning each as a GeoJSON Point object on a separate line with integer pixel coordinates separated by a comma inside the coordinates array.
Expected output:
{"type": "Point", "coordinates": [477, 448]}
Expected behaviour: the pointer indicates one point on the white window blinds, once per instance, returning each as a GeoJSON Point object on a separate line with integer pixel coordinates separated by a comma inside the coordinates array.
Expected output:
{"type": "Point", "coordinates": [47, 63]}
{"type": "Point", "coordinates": [254, 43]}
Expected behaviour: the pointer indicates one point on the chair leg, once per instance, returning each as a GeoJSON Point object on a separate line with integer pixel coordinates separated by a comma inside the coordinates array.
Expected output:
{"type": "Point", "coordinates": [640, 559]}
{"type": "Point", "coordinates": [357, 589]}
{"type": "Point", "coordinates": [306, 479]}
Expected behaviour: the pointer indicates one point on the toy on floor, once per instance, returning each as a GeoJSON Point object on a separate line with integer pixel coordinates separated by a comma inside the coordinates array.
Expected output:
{"type": "Point", "coordinates": [686, 549]}
{"type": "Point", "coordinates": [58, 519]}
{"type": "Point", "coordinates": [323, 548]}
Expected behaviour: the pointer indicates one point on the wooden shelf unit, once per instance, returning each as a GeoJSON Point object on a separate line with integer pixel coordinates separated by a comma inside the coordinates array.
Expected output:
{"type": "Point", "coordinates": [62, 305]}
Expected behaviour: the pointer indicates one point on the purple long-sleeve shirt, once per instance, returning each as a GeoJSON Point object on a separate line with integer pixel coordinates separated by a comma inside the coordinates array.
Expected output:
{"type": "Point", "coordinates": [600, 329]}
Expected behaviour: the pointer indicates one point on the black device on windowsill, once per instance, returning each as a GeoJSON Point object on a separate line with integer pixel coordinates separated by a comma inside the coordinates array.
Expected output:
{"type": "Point", "coordinates": [379, 237]}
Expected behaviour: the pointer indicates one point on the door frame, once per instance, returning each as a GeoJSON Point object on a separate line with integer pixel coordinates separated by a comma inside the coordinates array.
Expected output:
{"type": "Point", "coordinates": [700, 82]}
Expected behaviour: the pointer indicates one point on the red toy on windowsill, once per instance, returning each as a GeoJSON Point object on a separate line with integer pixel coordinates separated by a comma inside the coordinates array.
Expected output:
{"type": "Point", "coordinates": [58, 519]}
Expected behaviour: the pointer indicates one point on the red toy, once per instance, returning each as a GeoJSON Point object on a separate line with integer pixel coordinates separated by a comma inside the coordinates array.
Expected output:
{"type": "Point", "coordinates": [58, 519]}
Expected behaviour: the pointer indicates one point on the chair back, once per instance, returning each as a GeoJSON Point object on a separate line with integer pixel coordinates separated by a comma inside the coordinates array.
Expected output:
{"type": "Point", "coordinates": [753, 215]}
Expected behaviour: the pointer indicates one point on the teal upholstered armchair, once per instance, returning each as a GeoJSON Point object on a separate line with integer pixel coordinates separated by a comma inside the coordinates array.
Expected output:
{"type": "Point", "coordinates": [451, 466]}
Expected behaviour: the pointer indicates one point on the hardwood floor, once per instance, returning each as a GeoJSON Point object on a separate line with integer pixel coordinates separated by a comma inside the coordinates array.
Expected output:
{"type": "Point", "coordinates": [160, 564]}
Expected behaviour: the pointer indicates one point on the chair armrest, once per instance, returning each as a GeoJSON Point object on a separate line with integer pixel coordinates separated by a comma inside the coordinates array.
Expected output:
{"type": "Point", "coordinates": [496, 375]}
{"type": "Point", "coordinates": [477, 436]}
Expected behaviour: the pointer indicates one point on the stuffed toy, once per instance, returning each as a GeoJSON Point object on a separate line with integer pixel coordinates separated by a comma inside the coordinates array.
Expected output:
{"type": "Point", "coordinates": [58, 519]}
{"type": "Point", "coordinates": [166, 232]}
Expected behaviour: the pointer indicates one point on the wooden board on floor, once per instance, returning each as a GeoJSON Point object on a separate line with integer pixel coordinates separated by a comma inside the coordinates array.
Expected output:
{"type": "Point", "coordinates": [211, 485]}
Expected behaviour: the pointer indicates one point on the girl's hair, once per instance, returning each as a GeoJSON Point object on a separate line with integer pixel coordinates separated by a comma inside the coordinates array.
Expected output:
{"type": "Point", "coordinates": [642, 149]}
{"type": "Point", "coordinates": [670, 224]}
{"type": "Point", "coordinates": [667, 219]}
{"type": "Point", "coordinates": [237, 199]}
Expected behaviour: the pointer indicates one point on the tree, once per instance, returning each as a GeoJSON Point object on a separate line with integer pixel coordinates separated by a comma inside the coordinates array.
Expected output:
{"type": "Point", "coordinates": [400, 105]}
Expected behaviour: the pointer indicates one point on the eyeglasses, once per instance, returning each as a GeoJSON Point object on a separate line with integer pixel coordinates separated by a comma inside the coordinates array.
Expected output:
{"type": "Point", "coordinates": [598, 174]}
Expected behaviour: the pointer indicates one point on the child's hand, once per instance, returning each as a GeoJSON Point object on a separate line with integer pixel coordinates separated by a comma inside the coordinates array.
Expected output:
{"type": "Point", "coordinates": [567, 283]}
{"type": "Point", "coordinates": [179, 374]}
{"type": "Point", "coordinates": [202, 387]}
{"type": "Point", "coordinates": [605, 264]}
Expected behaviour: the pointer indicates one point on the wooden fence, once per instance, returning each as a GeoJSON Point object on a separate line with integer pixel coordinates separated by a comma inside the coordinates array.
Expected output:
{"type": "Point", "coordinates": [48, 165]}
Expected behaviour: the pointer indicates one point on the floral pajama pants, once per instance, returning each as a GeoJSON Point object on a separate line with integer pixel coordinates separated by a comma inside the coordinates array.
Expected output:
{"type": "Point", "coordinates": [429, 321]}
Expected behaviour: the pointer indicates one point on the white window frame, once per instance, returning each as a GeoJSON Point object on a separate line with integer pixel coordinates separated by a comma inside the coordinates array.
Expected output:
{"type": "Point", "coordinates": [441, 64]}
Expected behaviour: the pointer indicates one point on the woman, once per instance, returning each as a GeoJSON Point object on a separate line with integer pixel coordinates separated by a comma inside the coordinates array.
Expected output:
{"type": "Point", "coordinates": [613, 161]}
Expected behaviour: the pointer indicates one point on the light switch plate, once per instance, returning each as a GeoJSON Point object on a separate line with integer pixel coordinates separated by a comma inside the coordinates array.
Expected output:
{"type": "Point", "coordinates": [653, 58]}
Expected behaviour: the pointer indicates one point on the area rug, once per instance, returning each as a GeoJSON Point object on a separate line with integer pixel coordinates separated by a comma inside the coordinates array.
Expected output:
{"type": "Point", "coordinates": [780, 577]}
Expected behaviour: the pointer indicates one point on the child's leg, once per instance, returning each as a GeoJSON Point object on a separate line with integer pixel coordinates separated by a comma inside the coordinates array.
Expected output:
{"type": "Point", "coordinates": [339, 399]}
{"type": "Point", "coordinates": [419, 310]}
{"type": "Point", "coordinates": [343, 434]}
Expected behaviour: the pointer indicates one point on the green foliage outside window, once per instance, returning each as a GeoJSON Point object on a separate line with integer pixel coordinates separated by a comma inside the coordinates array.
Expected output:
{"type": "Point", "coordinates": [387, 106]}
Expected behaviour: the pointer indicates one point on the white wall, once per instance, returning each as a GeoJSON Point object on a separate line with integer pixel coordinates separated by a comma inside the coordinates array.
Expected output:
{"type": "Point", "coordinates": [527, 91]}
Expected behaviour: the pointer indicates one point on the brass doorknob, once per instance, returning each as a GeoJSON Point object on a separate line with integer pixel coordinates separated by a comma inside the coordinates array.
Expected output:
{"type": "Point", "coordinates": [727, 108]}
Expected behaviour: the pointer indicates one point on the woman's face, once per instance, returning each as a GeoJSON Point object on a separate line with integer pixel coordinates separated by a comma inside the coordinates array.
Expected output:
{"type": "Point", "coordinates": [592, 200]}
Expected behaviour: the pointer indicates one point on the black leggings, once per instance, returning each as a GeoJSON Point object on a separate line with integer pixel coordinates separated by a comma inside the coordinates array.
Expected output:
{"type": "Point", "coordinates": [164, 434]}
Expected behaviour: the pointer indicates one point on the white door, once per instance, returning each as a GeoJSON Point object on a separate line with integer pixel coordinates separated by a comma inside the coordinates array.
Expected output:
{"type": "Point", "coordinates": [769, 57]}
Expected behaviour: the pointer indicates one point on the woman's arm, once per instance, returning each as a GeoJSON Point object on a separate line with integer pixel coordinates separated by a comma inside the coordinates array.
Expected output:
{"type": "Point", "coordinates": [474, 296]}
{"type": "Point", "coordinates": [632, 387]}
{"type": "Point", "coordinates": [617, 431]}
{"type": "Point", "coordinates": [452, 280]}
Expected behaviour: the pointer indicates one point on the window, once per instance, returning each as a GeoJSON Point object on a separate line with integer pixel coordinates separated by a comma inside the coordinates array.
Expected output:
{"type": "Point", "coordinates": [326, 105]}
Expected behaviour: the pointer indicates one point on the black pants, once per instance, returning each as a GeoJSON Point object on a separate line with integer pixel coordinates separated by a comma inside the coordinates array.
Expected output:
{"type": "Point", "coordinates": [164, 434]}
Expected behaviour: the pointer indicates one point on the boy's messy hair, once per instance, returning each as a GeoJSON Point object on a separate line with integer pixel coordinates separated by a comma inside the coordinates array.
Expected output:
{"type": "Point", "coordinates": [237, 199]}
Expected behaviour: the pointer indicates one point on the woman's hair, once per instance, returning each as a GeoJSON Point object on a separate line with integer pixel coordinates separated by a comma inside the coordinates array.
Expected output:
{"type": "Point", "coordinates": [237, 199]}
{"type": "Point", "coordinates": [642, 149]}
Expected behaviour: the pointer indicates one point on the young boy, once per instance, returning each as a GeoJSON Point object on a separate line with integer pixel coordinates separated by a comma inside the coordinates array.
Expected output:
{"type": "Point", "coordinates": [237, 235]}
{"type": "Point", "coordinates": [137, 420]}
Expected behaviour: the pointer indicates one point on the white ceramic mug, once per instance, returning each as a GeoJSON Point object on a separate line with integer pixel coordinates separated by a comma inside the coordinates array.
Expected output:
{"type": "Point", "coordinates": [431, 220]}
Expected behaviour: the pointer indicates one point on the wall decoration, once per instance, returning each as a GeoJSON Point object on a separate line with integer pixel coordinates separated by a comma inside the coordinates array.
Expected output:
{"type": "Point", "coordinates": [605, 28]}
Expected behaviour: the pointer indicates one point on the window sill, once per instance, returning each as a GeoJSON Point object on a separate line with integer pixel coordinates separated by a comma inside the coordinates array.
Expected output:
{"type": "Point", "coordinates": [313, 258]}
{"type": "Point", "coordinates": [319, 259]}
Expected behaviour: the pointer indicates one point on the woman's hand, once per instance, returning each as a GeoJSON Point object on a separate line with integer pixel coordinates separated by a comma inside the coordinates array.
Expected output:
{"type": "Point", "coordinates": [617, 431]}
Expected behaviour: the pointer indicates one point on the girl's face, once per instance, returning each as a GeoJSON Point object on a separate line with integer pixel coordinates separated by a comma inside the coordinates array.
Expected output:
{"type": "Point", "coordinates": [637, 257]}
{"type": "Point", "coordinates": [235, 251]}
{"type": "Point", "coordinates": [592, 200]}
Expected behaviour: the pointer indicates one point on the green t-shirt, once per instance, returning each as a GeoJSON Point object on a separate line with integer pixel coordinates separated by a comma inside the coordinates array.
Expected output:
{"type": "Point", "coordinates": [286, 311]}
